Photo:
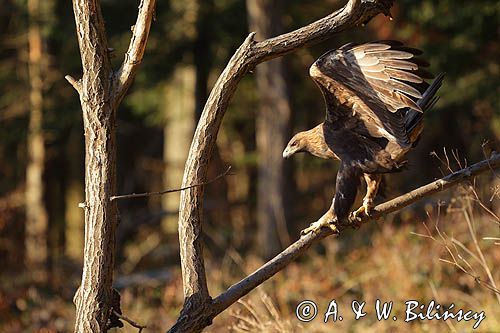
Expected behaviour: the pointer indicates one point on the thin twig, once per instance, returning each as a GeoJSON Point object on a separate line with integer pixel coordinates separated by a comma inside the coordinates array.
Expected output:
{"type": "Point", "coordinates": [149, 194]}
{"type": "Point", "coordinates": [480, 202]}
{"type": "Point", "coordinates": [448, 242]}
{"type": "Point", "coordinates": [437, 298]}
{"type": "Point", "coordinates": [476, 278]}
{"type": "Point", "coordinates": [487, 152]}
{"type": "Point", "coordinates": [482, 260]}
{"type": "Point", "coordinates": [130, 321]}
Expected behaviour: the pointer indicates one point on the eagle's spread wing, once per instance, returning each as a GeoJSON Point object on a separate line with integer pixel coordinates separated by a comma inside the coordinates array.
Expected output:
{"type": "Point", "coordinates": [366, 85]}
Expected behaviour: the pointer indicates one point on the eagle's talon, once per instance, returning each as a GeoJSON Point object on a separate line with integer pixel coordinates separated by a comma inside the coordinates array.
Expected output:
{"type": "Point", "coordinates": [354, 222]}
{"type": "Point", "coordinates": [368, 207]}
{"type": "Point", "coordinates": [357, 214]}
{"type": "Point", "coordinates": [305, 231]}
{"type": "Point", "coordinates": [364, 211]}
{"type": "Point", "coordinates": [333, 227]}
{"type": "Point", "coordinates": [315, 227]}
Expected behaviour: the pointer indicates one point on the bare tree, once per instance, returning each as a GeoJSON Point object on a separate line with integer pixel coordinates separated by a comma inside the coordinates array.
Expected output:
{"type": "Point", "coordinates": [101, 90]}
{"type": "Point", "coordinates": [36, 214]}
{"type": "Point", "coordinates": [273, 119]}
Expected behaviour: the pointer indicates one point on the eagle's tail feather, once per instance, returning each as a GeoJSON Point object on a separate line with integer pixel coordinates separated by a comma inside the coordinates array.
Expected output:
{"type": "Point", "coordinates": [413, 119]}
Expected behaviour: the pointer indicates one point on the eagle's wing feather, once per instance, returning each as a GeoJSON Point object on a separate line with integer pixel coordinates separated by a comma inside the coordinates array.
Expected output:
{"type": "Point", "coordinates": [374, 80]}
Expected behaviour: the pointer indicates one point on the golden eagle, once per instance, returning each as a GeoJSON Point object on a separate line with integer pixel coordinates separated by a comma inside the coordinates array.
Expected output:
{"type": "Point", "coordinates": [375, 97]}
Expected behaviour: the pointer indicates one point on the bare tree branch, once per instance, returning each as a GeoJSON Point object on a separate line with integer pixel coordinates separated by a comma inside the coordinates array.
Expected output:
{"type": "Point", "coordinates": [130, 321]}
{"type": "Point", "coordinates": [276, 264]}
{"type": "Point", "coordinates": [196, 296]}
{"type": "Point", "coordinates": [140, 32]}
{"type": "Point", "coordinates": [74, 83]}
{"type": "Point", "coordinates": [354, 13]}
{"type": "Point", "coordinates": [196, 313]}
{"type": "Point", "coordinates": [439, 185]}
{"type": "Point", "coordinates": [149, 194]}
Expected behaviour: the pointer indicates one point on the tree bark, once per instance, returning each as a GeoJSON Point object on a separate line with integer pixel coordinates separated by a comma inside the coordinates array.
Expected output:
{"type": "Point", "coordinates": [272, 129]}
{"type": "Point", "coordinates": [94, 296]}
{"type": "Point", "coordinates": [36, 213]}
{"type": "Point", "coordinates": [101, 90]}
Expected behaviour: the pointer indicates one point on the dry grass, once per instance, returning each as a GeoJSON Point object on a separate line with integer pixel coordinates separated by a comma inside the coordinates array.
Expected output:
{"type": "Point", "coordinates": [447, 251]}
{"type": "Point", "coordinates": [451, 256]}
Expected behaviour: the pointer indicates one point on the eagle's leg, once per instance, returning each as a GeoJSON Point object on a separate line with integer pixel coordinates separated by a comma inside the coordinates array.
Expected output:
{"type": "Point", "coordinates": [324, 221]}
{"type": "Point", "coordinates": [372, 185]}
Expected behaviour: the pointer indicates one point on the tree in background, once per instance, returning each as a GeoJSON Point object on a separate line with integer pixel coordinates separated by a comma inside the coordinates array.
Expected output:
{"type": "Point", "coordinates": [178, 110]}
{"type": "Point", "coordinates": [74, 190]}
{"type": "Point", "coordinates": [272, 131]}
{"type": "Point", "coordinates": [179, 126]}
{"type": "Point", "coordinates": [36, 214]}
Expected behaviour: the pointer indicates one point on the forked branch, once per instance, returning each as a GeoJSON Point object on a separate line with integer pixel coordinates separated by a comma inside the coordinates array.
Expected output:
{"type": "Point", "coordinates": [101, 91]}
{"type": "Point", "coordinates": [140, 32]}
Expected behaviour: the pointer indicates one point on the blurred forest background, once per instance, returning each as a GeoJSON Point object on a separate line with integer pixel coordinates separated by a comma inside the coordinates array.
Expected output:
{"type": "Point", "coordinates": [251, 215]}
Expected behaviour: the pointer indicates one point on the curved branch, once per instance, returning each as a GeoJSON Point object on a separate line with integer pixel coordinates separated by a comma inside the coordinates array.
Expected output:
{"type": "Point", "coordinates": [354, 13]}
{"type": "Point", "coordinates": [140, 32]}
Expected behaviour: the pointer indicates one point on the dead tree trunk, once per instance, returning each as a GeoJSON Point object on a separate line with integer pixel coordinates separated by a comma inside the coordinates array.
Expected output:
{"type": "Point", "coordinates": [101, 90]}
{"type": "Point", "coordinates": [36, 214]}
{"type": "Point", "coordinates": [273, 119]}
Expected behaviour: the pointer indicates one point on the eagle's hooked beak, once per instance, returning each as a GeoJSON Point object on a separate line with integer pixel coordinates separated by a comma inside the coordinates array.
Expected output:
{"type": "Point", "coordinates": [292, 147]}
{"type": "Point", "coordinates": [288, 152]}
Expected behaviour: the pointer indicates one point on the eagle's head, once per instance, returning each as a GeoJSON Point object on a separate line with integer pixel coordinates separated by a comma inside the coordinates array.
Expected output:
{"type": "Point", "coordinates": [311, 141]}
{"type": "Point", "coordinates": [297, 144]}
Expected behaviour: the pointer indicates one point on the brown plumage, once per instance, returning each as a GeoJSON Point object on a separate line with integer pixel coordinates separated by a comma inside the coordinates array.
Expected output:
{"type": "Point", "coordinates": [375, 97]}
